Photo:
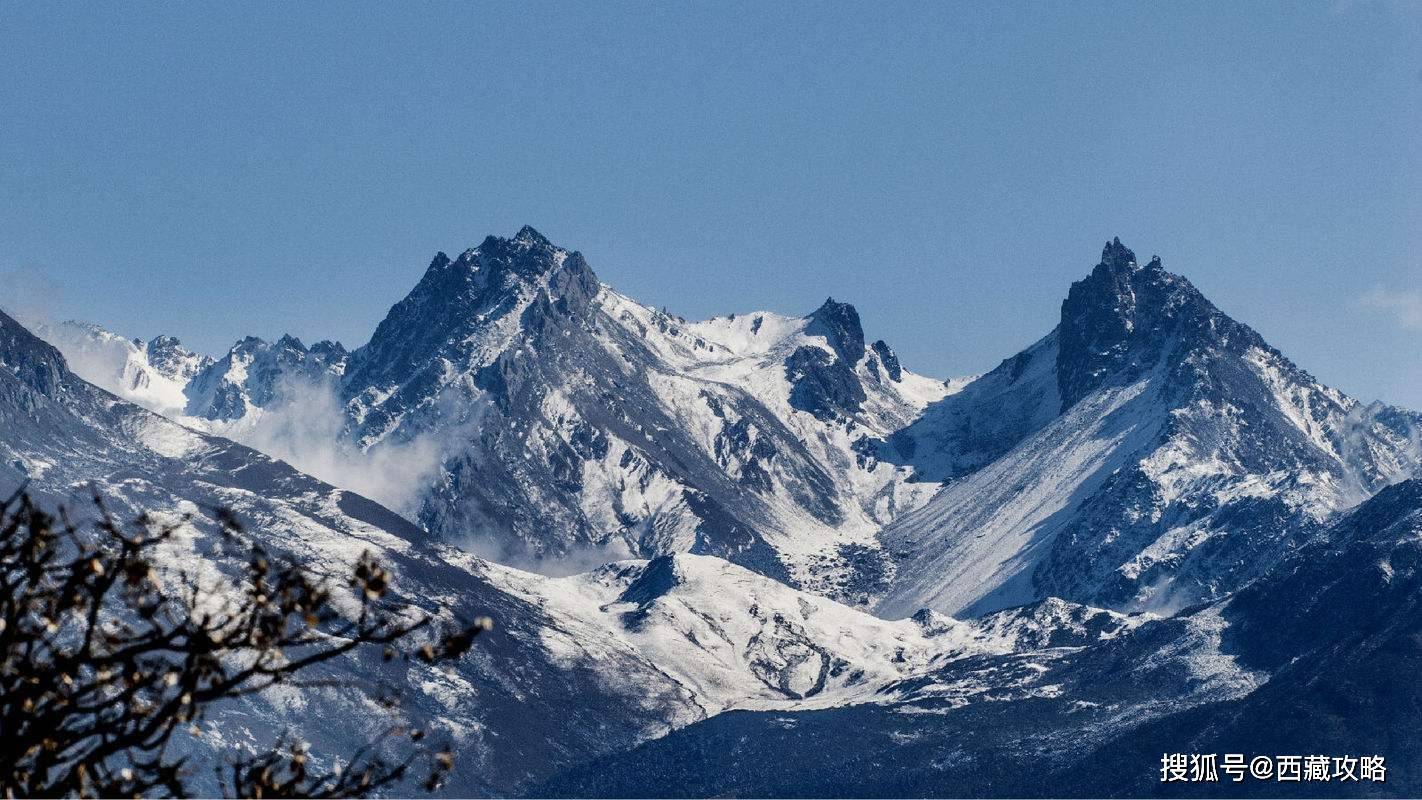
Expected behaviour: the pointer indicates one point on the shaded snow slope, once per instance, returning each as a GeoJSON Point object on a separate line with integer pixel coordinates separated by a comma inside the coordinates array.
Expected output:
{"type": "Point", "coordinates": [577, 668]}
{"type": "Point", "coordinates": [636, 433]}
{"type": "Point", "coordinates": [977, 544]}
{"type": "Point", "coordinates": [1150, 453]}
{"type": "Point", "coordinates": [1317, 656]}
{"type": "Point", "coordinates": [153, 375]}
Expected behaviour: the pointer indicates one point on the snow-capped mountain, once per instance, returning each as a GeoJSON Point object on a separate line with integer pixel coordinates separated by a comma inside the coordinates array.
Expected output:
{"type": "Point", "coordinates": [1317, 657]}
{"type": "Point", "coordinates": [577, 668]}
{"type": "Point", "coordinates": [506, 706]}
{"type": "Point", "coordinates": [1144, 533]}
{"type": "Point", "coordinates": [153, 375]}
{"type": "Point", "coordinates": [199, 390]}
{"type": "Point", "coordinates": [589, 427]}
{"type": "Point", "coordinates": [254, 373]}
{"type": "Point", "coordinates": [1149, 453]}
{"type": "Point", "coordinates": [566, 424]}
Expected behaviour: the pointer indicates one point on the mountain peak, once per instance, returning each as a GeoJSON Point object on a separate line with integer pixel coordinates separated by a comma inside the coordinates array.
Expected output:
{"type": "Point", "coordinates": [526, 239]}
{"type": "Point", "coordinates": [288, 341]}
{"type": "Point", "coordinates": [1117, 256]}
{"type": "Point", "coordinates": [1119, 319]}
{"type": "Point", "coordinates": [528, 254]}
{"type": "Point", "coordinates": [164, 342]}
{"type": "Point", "coordinates": [1112, 312]}
{"type": "Point", "coordinates": [445, 313]}
{"type": "Point", "coordinates": [527, 235]}
{"type": "Point", "coordinates": [839, 324]}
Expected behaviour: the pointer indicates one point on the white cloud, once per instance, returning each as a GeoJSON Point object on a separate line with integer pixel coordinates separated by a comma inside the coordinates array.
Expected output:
{"type": "Point", "coordinates": [305, 428]}
{"type": "Point", "coordinates": [27, 294]}
{"type": "Point", "coordinates": [1404, 306]}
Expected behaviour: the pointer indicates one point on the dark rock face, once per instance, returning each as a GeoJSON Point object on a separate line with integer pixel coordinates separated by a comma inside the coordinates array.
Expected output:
{"type": "Point", "coordinates": [839, 324]}
{"type": "Point", "coordinates": [556, 437]}
{"type": "Point", "coordinates": [454, 303]}
{"type": "Point", "coordinates": [1124, 318]}
{"type": "Point", "coordinates": [167, 355]}
{"type": "Point", "coordinates": [868, 574]}
{"type": "Point", "coordinates": [457, 298]}
{"type": "Point", "coordinates": [255, 372]}
{"type": "Point", "coordinates": [823, 384]}
{"type": "Point", "coordinates": [739, 443]}
{"type": "Point", "coordinates": [224, 403]}
{"type": "Point", "coordinates": [656, 580]}
{"type": "Point", "coordinates": [35, 364]}
{"type": "Point", "coordinates": [329, 355]}
{"type": "Point", "coordinates": [889, 360]}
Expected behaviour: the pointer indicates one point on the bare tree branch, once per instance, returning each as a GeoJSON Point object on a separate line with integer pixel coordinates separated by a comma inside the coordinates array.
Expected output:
{"type": "Point", "coordinates": [102, 663]}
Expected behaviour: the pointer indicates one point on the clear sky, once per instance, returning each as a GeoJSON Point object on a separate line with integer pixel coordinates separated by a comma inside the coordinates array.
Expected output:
{"type": "Point", "coordinates": [216, 171]}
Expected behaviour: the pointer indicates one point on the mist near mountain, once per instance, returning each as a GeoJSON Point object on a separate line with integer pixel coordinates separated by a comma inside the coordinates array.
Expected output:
{"type": "Point", "coordinates": [510, 379]}
{"type": "Point", "coordinates": [757, 555]}
{"type": "Point", "coordinates": [304, 426]}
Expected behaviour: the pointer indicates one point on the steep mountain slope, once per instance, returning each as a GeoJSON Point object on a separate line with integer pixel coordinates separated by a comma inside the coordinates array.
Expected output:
{"type": "Point", "coordinates": [1150, 453]}
{"type": "Point", "coordinates": [578, 667]}
{"type": "Point", "coordinates": [1337, 627]}
{"type": "Point", "coordinates": [507, 707]}
{"type": "Point", "coordinates": [253, 375]}
{"type": "Point", "coordinates": [589, 427]}
{"type": "Point", "coordinates": [1317, 657]}
{"type": "Point", "coordinates": [536, 416]}
{"type": "Point", "coordinates": [153, 375]}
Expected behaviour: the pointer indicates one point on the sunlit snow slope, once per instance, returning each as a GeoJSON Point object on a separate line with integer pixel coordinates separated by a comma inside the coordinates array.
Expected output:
{"type": "Point", "coordinates": [1150, 453]}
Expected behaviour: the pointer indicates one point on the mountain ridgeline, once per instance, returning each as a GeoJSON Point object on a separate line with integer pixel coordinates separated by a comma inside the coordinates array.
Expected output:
{"type": "Point", "coordinates": [575, 425]}
{"type": "Point", "coordinates": [786, 565]}
{"type": "Point", "coordinates": [1148, 453]}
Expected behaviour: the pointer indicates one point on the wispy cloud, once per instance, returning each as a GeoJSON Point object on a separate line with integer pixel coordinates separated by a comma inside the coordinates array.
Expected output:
{"type": "Point", "coordinates": [305, 429]}
{"type": "Point", "coordinates": [1404, 306]}
{"type": "Point", "coordinates": [27, 294]}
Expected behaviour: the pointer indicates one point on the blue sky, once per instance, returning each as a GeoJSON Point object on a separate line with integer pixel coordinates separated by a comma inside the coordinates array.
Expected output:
{"type": "Point", "coordinates": [217, 171]}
